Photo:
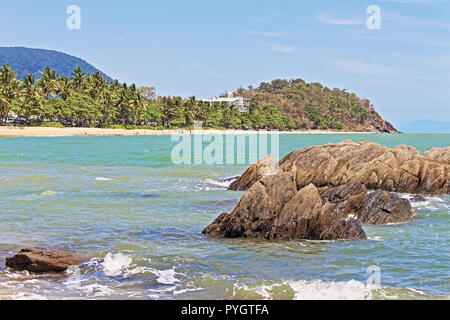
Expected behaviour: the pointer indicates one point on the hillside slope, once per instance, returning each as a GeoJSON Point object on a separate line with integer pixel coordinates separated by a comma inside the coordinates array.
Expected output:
{"type": "Point", "coordinates": [26, 60]}
{"type": "Point", "coordinates": [313, 106]}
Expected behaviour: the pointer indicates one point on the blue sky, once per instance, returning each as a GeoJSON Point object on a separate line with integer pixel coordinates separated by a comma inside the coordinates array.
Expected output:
{"type": "Point", "coordinates": [202, 48]}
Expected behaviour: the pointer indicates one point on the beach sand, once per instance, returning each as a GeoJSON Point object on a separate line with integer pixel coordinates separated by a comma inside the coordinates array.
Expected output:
{"type": "Point", "coordinates": [10, 132]}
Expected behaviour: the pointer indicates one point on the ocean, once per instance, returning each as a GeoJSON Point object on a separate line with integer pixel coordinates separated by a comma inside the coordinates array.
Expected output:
{"type": "Point", "coordinates": [123, 203]}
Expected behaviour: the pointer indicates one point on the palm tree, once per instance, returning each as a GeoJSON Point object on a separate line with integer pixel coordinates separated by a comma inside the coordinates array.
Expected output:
{"type": "Point", "coordinates": [48, 82]}
{"type": "Point", "coordinates": [30, 98]}
{"type": "Point", "coordinates": [100, 92]}
{"type": "Point", "coordinates": [65, 87]}
{"type": "Point", "coordinates": [79, 78]}
{"type": "Point", "coordinates": [9, 87]}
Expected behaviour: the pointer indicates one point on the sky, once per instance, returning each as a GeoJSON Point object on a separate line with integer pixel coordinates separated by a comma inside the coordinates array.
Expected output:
{"type": "Point", "coordinates": [203, 48]}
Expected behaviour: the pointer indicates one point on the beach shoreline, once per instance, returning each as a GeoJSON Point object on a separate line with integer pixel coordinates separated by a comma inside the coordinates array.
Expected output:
{"type": "Point", "coordinates": [17, 132]}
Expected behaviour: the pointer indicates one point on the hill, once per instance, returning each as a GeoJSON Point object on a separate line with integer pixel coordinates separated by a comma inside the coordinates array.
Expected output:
{"type": "Point", "coordinates": [313, 106]}
{"type": "Point", "coordinates": [428, 126]}
{"type": "Point", "coordinates": [26, 60]}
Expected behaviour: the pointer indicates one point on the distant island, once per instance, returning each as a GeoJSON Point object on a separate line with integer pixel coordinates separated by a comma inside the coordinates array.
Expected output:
{"type": "Point", "coordinates": [57, 97]}
{"type": "Point", "coordinates": [427, 126]}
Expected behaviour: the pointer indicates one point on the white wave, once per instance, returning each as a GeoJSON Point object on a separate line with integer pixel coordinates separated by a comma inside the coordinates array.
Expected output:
{"type": "Point", "coordinates": [27, 296]}
{"type": "Point", "coordinates": [165, 276]}
{"type": "Point", "coordinates": [48, 193]}
{"type": "Point", "coordinates": [121, 265]}
{"type": "Point", "coordinates": [312, 290]}
{"type": "Point", "coordinates": [433, 203]}
{"type": "Point", "coordinates": [320, 290]}
{"type": "Point", "coordinates": [115, 264]}
{"type": "Point", "coordinates": [177, 292]}
{"type": "Point", "coordinates": [224, 183]}
{"type": "Point", "coordinates": [102, 179]}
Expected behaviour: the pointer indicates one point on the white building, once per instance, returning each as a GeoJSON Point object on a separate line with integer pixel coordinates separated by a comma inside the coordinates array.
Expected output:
{"type": "Point", "coordinates": [232, 99]}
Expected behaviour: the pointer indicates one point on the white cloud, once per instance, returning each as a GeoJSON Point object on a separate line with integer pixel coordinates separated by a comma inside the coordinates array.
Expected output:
{"type": "Point", "coordinates": [339, 21]}
{"type": "Point", "coordinates": [118, 38]}
{"type": "Point", "coordinates": [280, 48]}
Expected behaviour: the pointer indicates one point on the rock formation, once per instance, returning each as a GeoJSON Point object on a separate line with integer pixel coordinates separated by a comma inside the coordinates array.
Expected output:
{"type": "Point", "coordinates": [401, 169]}
{"type": "Point", "coordinates": [274, 209]}
{"type": "Point", "coordinates": [377, 208]}
{"type": "Point", "coordinates": [39, 260]}
{"type": "Point", "coordinates": [321, 192]}
{"type": "Point", "coordinates": [254, 173]}
{"type": "Point", "coordinates": [382, 207]}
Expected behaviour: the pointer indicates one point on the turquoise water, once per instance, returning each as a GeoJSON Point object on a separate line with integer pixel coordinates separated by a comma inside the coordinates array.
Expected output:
{"type": "Point", "coordinates": [123, 204]}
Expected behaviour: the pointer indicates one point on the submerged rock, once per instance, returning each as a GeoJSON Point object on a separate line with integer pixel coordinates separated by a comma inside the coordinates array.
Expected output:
{"type": "Point", "coordinates": [401, 169]}
{"type": "Point", "coordinates": [254, 173]}
{"type": "Point", "coordinates": [39, 260]}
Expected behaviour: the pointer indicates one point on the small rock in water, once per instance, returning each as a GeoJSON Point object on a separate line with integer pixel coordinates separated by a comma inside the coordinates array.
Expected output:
{"type": "Point", "coordinates": [39, 260]}
{"type": "Point", "coordinates": [417, 198]}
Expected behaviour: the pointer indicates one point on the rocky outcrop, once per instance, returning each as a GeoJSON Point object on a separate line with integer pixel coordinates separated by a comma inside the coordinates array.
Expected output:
{"type": "Point", "coordinates": [306, 216]}
{"type": "Point", "coordinates": [39, 260]}
{"type": "Point", "coordinates": [382, 207]}
{"type": "Point", "coordinates": [274, 209]}
{"type": "Point", "coordinates": [438, 155]}
{"type": "Point", "coordinates": [377, 208]}
{"type": "Point", "coordinates": [254, 173]}
{"type": "Point", "coordinates": [401, 169]}
{"type": "Point", "coordinates": [258, 208]}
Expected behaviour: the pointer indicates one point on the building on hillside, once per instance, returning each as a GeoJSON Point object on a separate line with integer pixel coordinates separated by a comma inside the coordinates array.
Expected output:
{"type": "Point", "coordinates": [240, 103]}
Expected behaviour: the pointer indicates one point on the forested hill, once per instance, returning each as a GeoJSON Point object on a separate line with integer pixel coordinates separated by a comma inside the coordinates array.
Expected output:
{"type": "Point", "coordinates": [26, 60]}
{"type": "Point", "coordinates": [313, 106]}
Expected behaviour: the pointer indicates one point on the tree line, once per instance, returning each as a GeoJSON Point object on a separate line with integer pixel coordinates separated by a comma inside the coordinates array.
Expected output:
{"type": "Point", "coordinates": [85, 100]}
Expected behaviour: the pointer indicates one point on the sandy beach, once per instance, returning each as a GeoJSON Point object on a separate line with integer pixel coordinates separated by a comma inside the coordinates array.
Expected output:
{"type": "Point", "coordinates": [10, 132]}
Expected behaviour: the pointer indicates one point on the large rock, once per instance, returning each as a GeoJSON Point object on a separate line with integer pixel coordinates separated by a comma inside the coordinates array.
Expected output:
{"type": "Point", "coordinates": [254, 173]}
{"type": "Point", "coordinates": [401, 169]}
{"type": "Point", "coordinates": [346, 199]}
{"type": "Point", "coordinates": [306, 216]}
{"type": "Point", "coordinates": [377, 208]}
{"type": "Point", "coordinates": [382, 207]}
{"type": "Point", "coordinates": [39, 260]}
{"type": "Point", "coordinates": [438, 155]}
{"type": "Point", "coordinates": [258, 208]}
{"type": "Point", "coordinates": [274, 209]}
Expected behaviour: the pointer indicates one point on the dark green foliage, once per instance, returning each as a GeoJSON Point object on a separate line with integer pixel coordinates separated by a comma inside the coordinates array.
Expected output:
{"type": "Point", "coordinates": [313, 106]}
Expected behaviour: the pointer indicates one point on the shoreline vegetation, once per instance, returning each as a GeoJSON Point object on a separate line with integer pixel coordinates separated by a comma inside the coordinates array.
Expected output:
{"type": "Point", "coordinates": [93, 102]}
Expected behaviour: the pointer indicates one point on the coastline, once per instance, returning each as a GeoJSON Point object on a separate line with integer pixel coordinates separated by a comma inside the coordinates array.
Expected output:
{"type": "Point", "coordinates": [18, 132]}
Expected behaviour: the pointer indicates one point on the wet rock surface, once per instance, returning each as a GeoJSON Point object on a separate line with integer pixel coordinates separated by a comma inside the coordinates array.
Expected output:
{"type": "Point", "coordinates": [40, 260]}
